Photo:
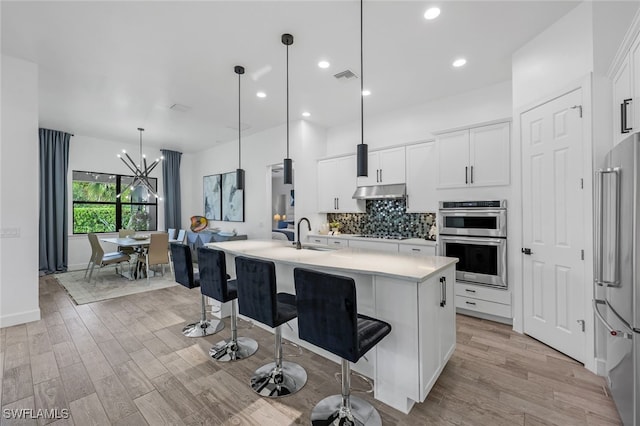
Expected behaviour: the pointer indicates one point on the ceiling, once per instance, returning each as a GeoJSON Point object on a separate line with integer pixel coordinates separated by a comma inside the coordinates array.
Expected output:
{"type": "Point", "coordinates": [107, 68]}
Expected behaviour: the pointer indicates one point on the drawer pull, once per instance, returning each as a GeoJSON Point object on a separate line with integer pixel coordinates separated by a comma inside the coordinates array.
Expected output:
{"type": "Point", "coordinates": [416, 249]}
{"type": "Point", "coordinates": [470, 303]}
{"type": "Point", "coordinates": [336, 242]}
{"type": "Point", "coordinates": [469, 290]}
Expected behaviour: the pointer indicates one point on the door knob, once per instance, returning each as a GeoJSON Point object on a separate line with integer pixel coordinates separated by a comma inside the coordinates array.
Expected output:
{"type": "Point", "coordinates": [527, 251]}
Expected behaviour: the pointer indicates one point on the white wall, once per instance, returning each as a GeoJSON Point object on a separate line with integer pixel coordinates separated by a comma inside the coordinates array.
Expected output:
{"type": "Point", "coordinates": [418, 123]}
{"type": "Point", "coordinates": [560, 55]}
{"type": "Point", "coordinates": [19, 203]}
{"type": "Point", "coordinates": [98, 155]}
{"type": "Point", "coordinates": [260, 152]}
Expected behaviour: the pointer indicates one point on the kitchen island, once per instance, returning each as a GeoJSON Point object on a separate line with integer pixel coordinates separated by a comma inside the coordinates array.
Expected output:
{"type": "Point", "coordinates": [413, 293]}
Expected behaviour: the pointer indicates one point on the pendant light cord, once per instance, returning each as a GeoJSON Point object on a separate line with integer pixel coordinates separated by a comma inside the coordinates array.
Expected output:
{"type": "Point", "coordinates": [141, 130]}
{"type": "Point", "coordinates": [287, 101]}
{"type": "Point", "coordinates": [361, 82]}
{"type": "Point", "coordinates": [239, 131]}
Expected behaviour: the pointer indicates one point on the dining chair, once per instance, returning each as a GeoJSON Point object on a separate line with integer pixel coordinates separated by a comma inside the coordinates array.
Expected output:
{"type": "Point", "coordinates": [181, 234]}
{"type": "Point", "coordinates": [157, 253]}
{"type": "Point", "coordinates": [102, 259]}
{"type": "Point", "coordinates": [171, 232]}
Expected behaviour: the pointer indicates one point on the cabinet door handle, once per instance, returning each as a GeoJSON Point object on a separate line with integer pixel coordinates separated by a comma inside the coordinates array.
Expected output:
{"type": "Point", "coordinates": [377, 175]}
{"type": "Point", "coordinates": [443, 292]}
{"type": "Point", "coordinates": [623, 116]}
{"type": "Point", "coordinates": [381, 175]}
{"type": "Point", "coordinates": [338, 203]}
{"type": "Point", "coordinates": [466, 175]}
{"type": "Point", "coordinates": [470, 303]}
{"type": "Point", "coordinates": [471, 173]}
{"type": "Point", "coordinates": [406, 201]}
{"type": "Point", "coordinates": [469, 290]}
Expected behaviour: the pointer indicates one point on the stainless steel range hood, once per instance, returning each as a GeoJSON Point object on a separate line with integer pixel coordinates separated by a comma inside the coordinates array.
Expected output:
{"type": "Point", "coordinates": [380, 192]}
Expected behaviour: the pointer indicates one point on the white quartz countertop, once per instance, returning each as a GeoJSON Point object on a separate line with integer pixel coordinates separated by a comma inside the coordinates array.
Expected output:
{"type": "Point", "coordinates": [395, 265]}
{"type": "Point", "coordinates": [412, 241]}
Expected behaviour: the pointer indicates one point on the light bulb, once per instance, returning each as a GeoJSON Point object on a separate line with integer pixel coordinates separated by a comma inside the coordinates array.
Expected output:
{"type": "Point", "coordinates": [124, 152]}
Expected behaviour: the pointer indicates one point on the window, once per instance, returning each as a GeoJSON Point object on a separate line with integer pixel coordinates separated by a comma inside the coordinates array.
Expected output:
{"type": "Point", "coordinates": [97, 209]}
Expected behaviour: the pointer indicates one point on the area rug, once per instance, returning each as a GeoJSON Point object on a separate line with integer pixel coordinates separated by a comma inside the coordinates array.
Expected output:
{"type": "Point", "coordinates": [107, 285]}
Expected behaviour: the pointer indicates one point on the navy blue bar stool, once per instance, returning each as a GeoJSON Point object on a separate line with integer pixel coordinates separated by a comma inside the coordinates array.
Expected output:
{"type": "Point", "coordinates": [215, 283]}
{"type": "Point", "coordinates": [328, 318]}
{"type": "Point", "coordinates": [183, 269]}
{"type": "Point", "coordinates": [258, 299]}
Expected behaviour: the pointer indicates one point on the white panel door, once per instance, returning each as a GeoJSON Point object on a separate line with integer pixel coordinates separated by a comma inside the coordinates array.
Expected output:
{"type": "Point", "coordinates": [489, 155]}
{"type": "Point", "coordinates": [421, 178]}
{"type": "Point", "coordinates": [552, 200]}
{"type": "Point", "coordinates": [634, 59]}
{"type": "Point", "coordinates": [621, 91]}
{"type": "Point", "coordinates": [452, 159]}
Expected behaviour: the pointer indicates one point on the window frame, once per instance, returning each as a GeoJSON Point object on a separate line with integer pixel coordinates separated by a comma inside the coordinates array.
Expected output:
{"type": "Point", "coordinates": [117, 203]}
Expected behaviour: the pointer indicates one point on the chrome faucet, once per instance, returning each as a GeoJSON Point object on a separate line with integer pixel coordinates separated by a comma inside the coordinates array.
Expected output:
{"type": "Point", "coordinates": [298, 245]}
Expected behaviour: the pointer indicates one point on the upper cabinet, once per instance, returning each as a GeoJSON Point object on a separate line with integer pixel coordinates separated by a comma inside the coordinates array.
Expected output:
{"type": "Point", "coordinates": [336, 185]}
{"type": "Point", "coordinates": [385, 167]}
{"type": "Point", "coordinates": [626, 94]}
{"type": "Point", "coordinates": [478, 156]}
{"type": "Point", "coordinates": [421, 178]}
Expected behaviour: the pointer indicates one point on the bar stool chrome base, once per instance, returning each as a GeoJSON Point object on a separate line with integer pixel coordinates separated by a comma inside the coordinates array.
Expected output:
{"type": "Point", "coordinates": [227, 350]}
{"type": "Point", "coordinates": [330, 411]}
{"type": "Point", "coordinates": [271, 382]}
{"type": "Point", "coordinates": [203, 328]}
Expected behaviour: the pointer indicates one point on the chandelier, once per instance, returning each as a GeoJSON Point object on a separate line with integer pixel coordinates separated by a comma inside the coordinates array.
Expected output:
{"type": "Point", "coordinates": [141, 170]}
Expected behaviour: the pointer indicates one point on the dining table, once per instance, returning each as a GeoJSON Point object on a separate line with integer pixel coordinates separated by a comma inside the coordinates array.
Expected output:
{"type": "Point", "coordinates": [139, 245]}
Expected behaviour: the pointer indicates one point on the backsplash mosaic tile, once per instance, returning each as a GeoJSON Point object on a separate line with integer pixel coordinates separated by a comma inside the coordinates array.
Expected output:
{"type": "Point", "coordinates": [385, 217]}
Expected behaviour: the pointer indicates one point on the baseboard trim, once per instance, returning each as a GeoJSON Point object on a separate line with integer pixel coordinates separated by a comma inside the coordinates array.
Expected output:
{"type": "Point", "coordinates": [482, 315]}
{"type": "Point", "coordinates": [19, 318]}
{"type": "Point", "coordinates": [601, 367]}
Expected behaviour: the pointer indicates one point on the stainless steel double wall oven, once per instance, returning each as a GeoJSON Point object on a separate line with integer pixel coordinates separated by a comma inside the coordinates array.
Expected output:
{"type": "Point", "coordinates": [476, 233]}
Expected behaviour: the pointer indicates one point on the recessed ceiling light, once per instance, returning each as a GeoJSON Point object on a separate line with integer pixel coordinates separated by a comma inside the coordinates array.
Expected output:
{"type": "Point", "coordinates": [306, 114]}
{"type": "Point", "coordinates": [324, 64]}
{"type": "Point", "coordinates": [366, 92]}
{"type": "Point", "coordinates": [459, 62]}
{"type": "Point", "coordinates": [261, 95]}
{"type": "Point", "coordinates": [432, 13]}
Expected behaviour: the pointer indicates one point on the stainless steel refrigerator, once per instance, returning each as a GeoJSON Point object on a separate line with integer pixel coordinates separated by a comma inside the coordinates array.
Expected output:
{"type": "Point", "coordinates": [617, 272]}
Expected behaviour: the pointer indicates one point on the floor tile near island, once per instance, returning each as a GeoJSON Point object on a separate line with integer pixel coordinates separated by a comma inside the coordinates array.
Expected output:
{"type": "Point", "coordinates": [124, 361]}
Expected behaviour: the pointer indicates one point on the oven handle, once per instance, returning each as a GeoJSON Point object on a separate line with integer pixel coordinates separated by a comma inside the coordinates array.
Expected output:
{"type": "Point", "coordinates": [473, 240]}
{"type": "Point", "coordinates": [465, 212]}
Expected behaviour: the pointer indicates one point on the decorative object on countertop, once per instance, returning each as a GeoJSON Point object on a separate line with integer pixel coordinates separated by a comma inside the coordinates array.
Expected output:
{"type": "Point", "coordinates": [232, 199]}
{"type": "Point", "coordinates": [363, 148]}
{"type": "Point", "coordinates": [141, 175]}
{"type": "Point", "coordinates": [433, 232]}
{"type": "Point", "coordinates": [335, 227]}
{"type": "Point", "coordinates": [287, 40]}
{"type": "Point", "coordinates": [239, 171]}
{"type": "Point", "coordinates": [198, 223]}
{"type": "Point", "coordinates": [211, 188]}
{"type": "Point", "coordinates": [385, 217]}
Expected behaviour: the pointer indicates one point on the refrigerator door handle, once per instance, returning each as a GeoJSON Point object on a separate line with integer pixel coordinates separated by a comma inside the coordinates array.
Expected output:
{"type": "Point", "coordinates": [611, 330]}
{"type": "Point", "coordinates": [599, 279]}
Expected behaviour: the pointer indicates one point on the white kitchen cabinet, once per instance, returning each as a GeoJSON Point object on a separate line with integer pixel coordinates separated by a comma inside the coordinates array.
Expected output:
{"type": "Point", "coordinates": [474, 157]}
{"type": "Point", "coordinates": [626, 94]}
{"type": "Point", "coordinates": [336, 185]}
{"type": "Point", "coordinates": [385, 167]}
{"type": "Point", "coordinates": [421, 178]}
{"type": "Point", "coordinates": [622, 101]}
{"type": "Point", "coordinates": [374, 245]}
{"type": "Point", "coordinates": [421, 250]}
{"type": "Point", "coordinates": [485, 300]}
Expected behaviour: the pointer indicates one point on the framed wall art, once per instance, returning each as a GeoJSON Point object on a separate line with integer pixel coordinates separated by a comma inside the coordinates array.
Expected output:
{"type": "Point", "coordinates": [212, 197]}
{"type": "Point", "coordinates": [232, 199]}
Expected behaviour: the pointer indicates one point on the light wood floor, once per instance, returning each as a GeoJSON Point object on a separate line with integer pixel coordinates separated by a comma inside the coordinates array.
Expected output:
{"type": "Point", "coordinates": [125, 362]}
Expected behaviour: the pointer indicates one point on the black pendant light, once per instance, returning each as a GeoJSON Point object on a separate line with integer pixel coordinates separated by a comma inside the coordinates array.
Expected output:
{"type": "Point", "coordinates": [287, 40]}
{"type": "Point", "coordinates": [239, 171]}
{"type": "Point", "coordinates": [363, 148]}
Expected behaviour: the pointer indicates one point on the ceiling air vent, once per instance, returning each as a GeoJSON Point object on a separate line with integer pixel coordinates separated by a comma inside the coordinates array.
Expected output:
{"type": "Point", "coordinates": [346, 74]}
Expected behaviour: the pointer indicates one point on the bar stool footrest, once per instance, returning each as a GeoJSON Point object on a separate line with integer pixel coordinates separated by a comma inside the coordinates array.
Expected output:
{"type": "Point", "coordinates": [226, 350]}
{"type": "Point", "coordinates": [203, 328]}
{"type": "Point", "coordinates": [266, 381]}
{"type": "Point", "coordinates": [330, 411]}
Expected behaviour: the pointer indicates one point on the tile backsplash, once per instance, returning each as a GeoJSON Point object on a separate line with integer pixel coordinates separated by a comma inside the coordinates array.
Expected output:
{"type": "Point", "coordinates": [385, 217]}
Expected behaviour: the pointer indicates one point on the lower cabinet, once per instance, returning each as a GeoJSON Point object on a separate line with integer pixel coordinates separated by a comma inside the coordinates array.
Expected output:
{"type": "Point", "coordinates": [374, 245]}
{"type": "Point", "coordinates": [418, 249]}
{"type": "Point", "coordinates": [484, 300]}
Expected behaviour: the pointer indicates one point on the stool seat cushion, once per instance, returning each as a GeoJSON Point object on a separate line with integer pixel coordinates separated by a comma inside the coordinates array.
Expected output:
{"type": "Point", "coordinates": [257, 293]}
{"type": "Point", "coordinates": [328, 315]}
{"type": "Point", "coordinates": [183, 266]}
{"type": "Point", "coordinates": [370, 332]}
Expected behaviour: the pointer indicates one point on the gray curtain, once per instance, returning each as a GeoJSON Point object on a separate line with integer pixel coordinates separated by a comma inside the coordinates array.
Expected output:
{"type": "Point", "coordinates": [54, 163]}
{"type": "Point", "coordinates": [171, 184]}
